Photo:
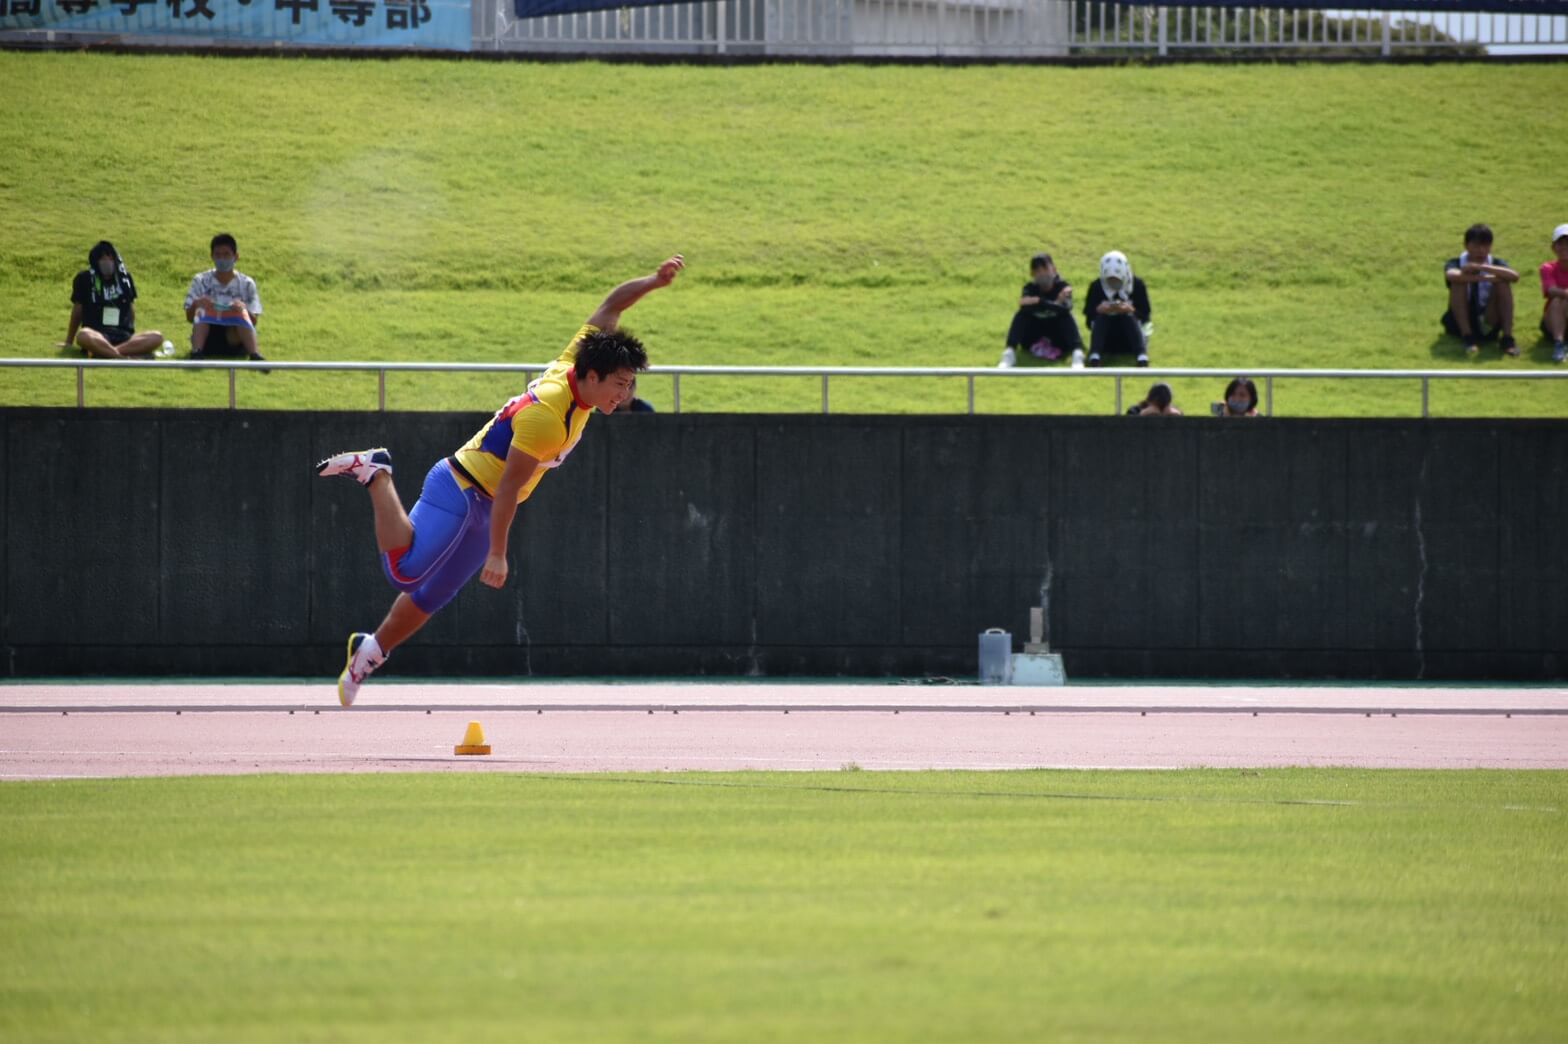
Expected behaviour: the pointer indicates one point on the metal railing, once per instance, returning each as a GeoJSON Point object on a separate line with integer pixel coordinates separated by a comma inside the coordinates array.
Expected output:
{"type": "Point", "coordinates": [985, 29]}
{"type": "Point", "coordinates": [1004, 29]}
{"type": "Point", "coordinates": [1117, 374]}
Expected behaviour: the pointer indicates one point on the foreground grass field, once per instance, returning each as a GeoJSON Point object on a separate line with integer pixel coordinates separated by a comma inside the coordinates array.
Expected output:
{"type": "Point", "coordinates": [1193, 906]}
{"type": "Point", "coordinates": [474, 211]}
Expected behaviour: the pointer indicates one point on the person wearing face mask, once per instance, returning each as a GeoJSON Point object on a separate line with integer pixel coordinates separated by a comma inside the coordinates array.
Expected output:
{"type": "Point", "coordinates": [223, 306]}
{"type": "Point", "coordinates": [1241, 399]}
{"type": "Point", "coordinates": [103, 310]}
{"type": "Point", "coordinates": [1117, 312]}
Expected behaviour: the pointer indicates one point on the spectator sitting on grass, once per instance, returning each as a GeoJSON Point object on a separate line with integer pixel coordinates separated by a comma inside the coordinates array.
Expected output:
{"type": "Point", "coordinates": [1117, 311]}
{"type": "Point", "coordinates": [1156, 404]}
{"type": "Point", "coordinates": [103, 310]}
{"type": "Point", "coordinates": [1241, 399]}
{"type": "Point", "coordinates": [1480, 294]}
{"type": "Point", "coordinates": [1043, 325]}
{"type": "Point", "coordinates": [1554, 286]}
{"type": "Point", "coordinates": [223, 305]}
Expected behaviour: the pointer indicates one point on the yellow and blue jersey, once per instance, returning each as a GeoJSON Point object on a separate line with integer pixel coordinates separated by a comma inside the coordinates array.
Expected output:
{"type": "Point", "coordinates": [545, 422]}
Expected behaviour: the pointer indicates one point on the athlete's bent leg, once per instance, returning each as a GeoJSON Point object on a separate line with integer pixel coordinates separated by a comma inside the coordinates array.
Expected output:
{"type": "Point", "coordinates": [403, 621]}
{"type": "Point", "coordinates": [393, 529]}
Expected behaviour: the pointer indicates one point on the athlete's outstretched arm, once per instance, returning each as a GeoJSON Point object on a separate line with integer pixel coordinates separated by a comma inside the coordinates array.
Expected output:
{"type": "Point", "coordinates": [608, 317]}
{"type": "Point", "coordinates": [519, 469]}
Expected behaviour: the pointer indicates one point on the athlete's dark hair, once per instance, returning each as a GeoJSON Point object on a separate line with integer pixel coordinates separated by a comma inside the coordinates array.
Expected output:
{"type": "Point", "coordinates": [224, 239]}
{"type": "Point", "coordinates": [1478, 234]}
{"type": "Point", "coordinates": [608, 351]}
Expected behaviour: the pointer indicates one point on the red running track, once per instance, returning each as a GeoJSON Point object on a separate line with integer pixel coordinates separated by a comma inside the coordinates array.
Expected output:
{"type": "Point", "coordinates": [195, 728]}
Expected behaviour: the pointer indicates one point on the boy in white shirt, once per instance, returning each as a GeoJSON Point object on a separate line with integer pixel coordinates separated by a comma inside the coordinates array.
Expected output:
{"type": "Point", "coordinates": [223, 304]}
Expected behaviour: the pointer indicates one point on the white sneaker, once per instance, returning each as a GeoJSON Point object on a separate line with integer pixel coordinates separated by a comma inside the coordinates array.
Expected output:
{"type": "Point", "coordinates": [1077, 358]}
{"type": "Point", "coordinates": [363, 464]}
{"type": "Point", "coordinates": [360, 666]}
{"type": "Point", "coordinates": [1009, 359]}
{"type": "Point", "coordinates": [165, 350]}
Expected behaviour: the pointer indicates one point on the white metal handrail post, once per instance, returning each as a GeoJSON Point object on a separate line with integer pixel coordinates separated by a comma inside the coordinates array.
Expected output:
{"type": "Point", "coordinates": [233, 376]}
{"type": "Point", "coordinates": [677, 393]}
{"type": "Point", "coordinates": [824, 393]}
{"type": "Point", "coordinates": [81, 395]}
{"type": "Point", "coordinates": [381, 390]}
{"type": "Point", "coordinates": [1268, 396]}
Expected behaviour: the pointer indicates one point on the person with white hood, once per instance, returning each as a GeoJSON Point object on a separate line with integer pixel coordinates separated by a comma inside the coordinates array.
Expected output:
{"type": "Point", "coordinates": [1116, 311]}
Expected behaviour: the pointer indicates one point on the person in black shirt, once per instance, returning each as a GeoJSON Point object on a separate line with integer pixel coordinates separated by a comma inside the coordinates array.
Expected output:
{"type": "Point", "coordinates": [1043, 325]}
{"type": "Point", "coordinates": [1117, 311]}
{"type": "Point", "coordinates": [103, 309]}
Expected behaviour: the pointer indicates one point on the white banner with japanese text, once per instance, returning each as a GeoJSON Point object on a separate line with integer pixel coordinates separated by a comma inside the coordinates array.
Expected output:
{"type": "Point", "coordinates": [433, 24]}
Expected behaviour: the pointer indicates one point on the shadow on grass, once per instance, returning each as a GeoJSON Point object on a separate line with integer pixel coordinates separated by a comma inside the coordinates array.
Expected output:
{"type": "Point", "coordinates": [1535, 349]}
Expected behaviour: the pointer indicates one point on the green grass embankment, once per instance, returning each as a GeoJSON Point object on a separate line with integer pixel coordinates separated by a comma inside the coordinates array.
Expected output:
{"type": "Point", "coordinates": [415, 209]}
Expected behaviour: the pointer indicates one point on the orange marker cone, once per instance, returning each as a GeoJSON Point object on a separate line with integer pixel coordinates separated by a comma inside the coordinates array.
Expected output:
{"type": "Point", "coordinates": [473, 741]}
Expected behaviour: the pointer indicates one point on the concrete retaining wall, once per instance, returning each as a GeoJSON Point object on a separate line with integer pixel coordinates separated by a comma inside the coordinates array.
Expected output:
{"type": "Point", "coordinates": [202, 543]}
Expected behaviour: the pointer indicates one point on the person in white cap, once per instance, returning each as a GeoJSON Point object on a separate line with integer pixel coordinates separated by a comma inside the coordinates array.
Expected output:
{"type": "Point", "coordinates": [1554, 285]}
{"type": "Point", "coordinates": [1480, 294]}
{"type": "Point", "coordinates": [1117, 312]}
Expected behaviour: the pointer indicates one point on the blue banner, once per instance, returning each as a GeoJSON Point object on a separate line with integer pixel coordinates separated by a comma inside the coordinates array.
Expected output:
{"type": "Point", "coordinates": [434, 24]}
{"type": "Point", "coordinates": [537, 8]}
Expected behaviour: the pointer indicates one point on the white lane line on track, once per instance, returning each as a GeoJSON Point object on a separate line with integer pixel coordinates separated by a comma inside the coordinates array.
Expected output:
{"type": "Point", "coordinates": [524, 757]}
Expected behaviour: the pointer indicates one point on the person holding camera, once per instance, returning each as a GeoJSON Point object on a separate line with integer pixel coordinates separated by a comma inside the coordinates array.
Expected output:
{"type": "Point", "coordinates": [1156, 404]}
{"type": "Point", "coordinates": [1241, 399]}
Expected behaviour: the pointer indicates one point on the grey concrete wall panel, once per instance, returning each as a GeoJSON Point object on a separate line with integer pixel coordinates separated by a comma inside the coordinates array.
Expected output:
{"type": "Point", "coordinates": [558, 548]}
{"type": "Point", "coordinates": [1458, 492]}
{"type": "Point", "coordinates": [235, 504]}
{"type": "Point", "coordinates": [1271, 555]}
{"type": "Point", "coordinates": [1533, 538]}
{"type": "Point", "coordinates": [976, 516]}
{"type": "Point", "coordinates": [829, 551]}
{"type": "Point", "coordinates": [805, 545]}
{"type": "Point", "coordinates": [1384, 553]}
{"type": "Point", "coordinates": [1127, 535]}
{"type": "Point", "coordinates": [83, 555]}
{"type": "Point", "coordinates": [682, 559]}
{"type": "Point", "coordinates": [7, 605]}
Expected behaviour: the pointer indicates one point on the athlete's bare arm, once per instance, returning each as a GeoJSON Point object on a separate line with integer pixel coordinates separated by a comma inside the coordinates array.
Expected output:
{"type": "Point", "coordinates": [519, 469]}
{"type": "Point", "coordinates": [608, 316]}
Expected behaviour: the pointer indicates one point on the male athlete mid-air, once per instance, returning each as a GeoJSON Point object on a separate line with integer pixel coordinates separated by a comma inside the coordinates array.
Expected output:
{"type": "Point", "coordinates": [460, 523]}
